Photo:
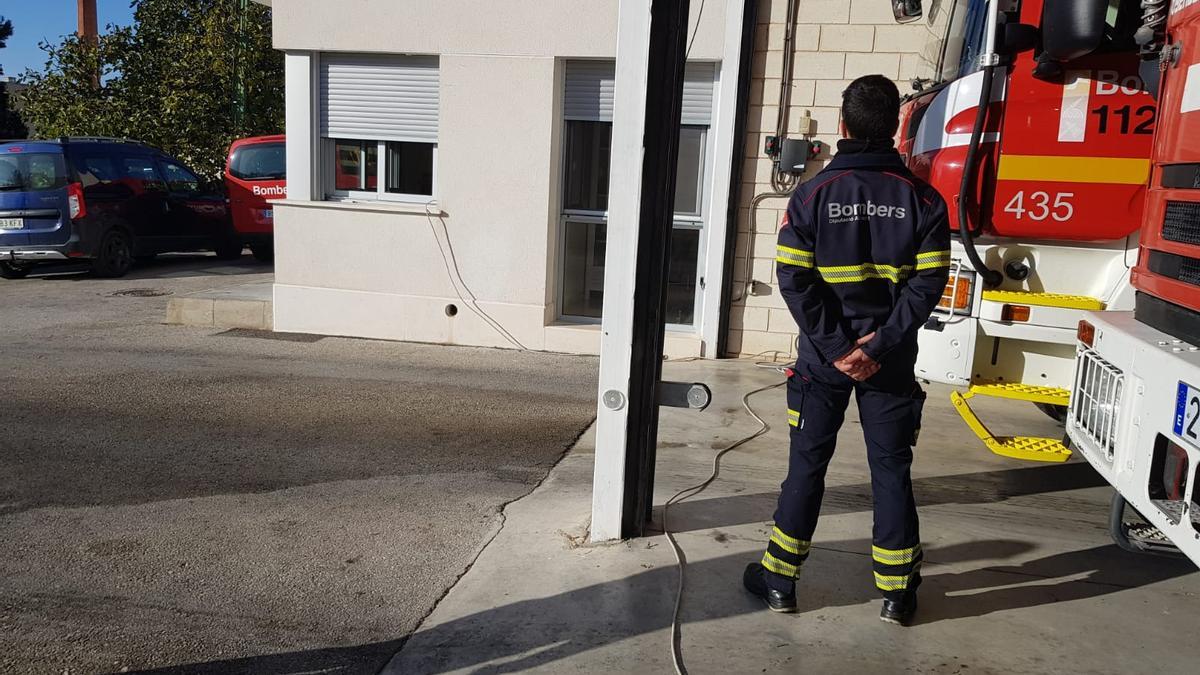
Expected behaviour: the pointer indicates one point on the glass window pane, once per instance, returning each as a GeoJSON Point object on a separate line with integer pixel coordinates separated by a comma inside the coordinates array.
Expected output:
{"type": "Point", "coordinates": [141, 174]}
{"type": "Point", "coordinates": [410, 168]}
{"type": "Point", "coordinates": [347, 170]}
{"type": "Point", "coordinates": [583, 269]}
{"type": "Point", "coordinates": [583, 272]}
{"type": "Point", "coordinates": [32, 172]}
{"type": "Point", "coordinates": [260, 161]}
{"type": "Point", "coordinates": [681, 282]}
{"type": "Point", "coordinates": [690, 171]}
{"type": "Point", "coordinates": [585, 179]}
{"type": "Point", "coordinates": [180, 179]}
{"type": "Point", "coordinates": [371, 175]}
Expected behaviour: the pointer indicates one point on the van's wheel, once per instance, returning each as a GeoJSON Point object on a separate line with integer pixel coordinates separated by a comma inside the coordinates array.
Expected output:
{"type": "Point", "coordinates": [228, 249]}
{"type": "Point", "coordinates": [263, 252]}
{"type": "Point", "coordinates": [1058, 413]}
{"type": "Point", "coordinates": [115, 257]}
{"type": "Point", "coordinates": [13, 270]}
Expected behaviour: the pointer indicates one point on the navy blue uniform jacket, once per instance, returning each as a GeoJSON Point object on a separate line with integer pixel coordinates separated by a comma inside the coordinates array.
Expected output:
{"type": "Point", "coordinates": [865, 246]}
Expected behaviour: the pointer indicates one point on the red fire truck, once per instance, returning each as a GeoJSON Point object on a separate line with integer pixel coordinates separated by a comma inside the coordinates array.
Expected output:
{"type": "Point", "coordinates": [1135, 405]}
{"type": "Point", "coordinates": [1038, 134]}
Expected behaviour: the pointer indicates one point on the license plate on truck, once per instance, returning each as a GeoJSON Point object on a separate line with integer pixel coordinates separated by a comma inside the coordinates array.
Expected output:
{"type": "Point", "coordinates": [1187, 413]}
{"type": "Point", "coordinates": [12, 223]}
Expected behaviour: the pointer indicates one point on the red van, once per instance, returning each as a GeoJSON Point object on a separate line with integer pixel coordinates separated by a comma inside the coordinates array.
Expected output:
{"type": "Point", "coordinates": [256, 175]}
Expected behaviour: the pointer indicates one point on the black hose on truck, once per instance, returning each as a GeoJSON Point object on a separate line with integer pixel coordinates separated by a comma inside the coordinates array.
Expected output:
{"type": "Point", "coordinates": [989, 276]}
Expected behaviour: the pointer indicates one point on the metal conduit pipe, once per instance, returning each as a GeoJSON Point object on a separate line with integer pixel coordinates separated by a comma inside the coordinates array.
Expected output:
{"type": "Point", "coordinates": [747, 280]}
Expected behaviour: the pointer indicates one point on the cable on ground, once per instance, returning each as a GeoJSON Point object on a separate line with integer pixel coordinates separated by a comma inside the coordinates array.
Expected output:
{"type": "Point", "coordinates": [687, 493]}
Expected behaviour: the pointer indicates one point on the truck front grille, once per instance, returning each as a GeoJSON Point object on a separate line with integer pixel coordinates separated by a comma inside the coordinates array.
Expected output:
{"type": "Point", "coordinates": [1175, 267]}
{"type": "Point", "coordinates": [1182, 222]}
{"type": "Point", "coordinates": [1096, 401]}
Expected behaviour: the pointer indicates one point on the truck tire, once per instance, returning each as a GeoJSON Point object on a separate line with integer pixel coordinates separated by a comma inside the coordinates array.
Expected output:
{"type": "Point", "coordinates": [115, 255]}
{"type": "Point", "coordinates": [11, 270]}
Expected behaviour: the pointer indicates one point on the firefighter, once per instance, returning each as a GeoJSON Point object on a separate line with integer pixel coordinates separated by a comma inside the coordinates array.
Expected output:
{"type": "Point", "coordinates": [863, 259]}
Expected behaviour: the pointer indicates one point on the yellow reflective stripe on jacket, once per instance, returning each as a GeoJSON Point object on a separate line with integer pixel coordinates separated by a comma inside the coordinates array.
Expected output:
{"type": "Point", "coordinates": [778, 566]}
{"type": "Point", "coordinates": [790, 544]}
{"type": "Point", "coordinates": [933, 259]}
{"type": "Point", "coordinates": [901, 556]}
{"type": "Point", "coordinates": [843, 274]}
{"type": "Point", "coordinates": [793, 256]}
{"type": "Point", "coordinates": [794, 418]}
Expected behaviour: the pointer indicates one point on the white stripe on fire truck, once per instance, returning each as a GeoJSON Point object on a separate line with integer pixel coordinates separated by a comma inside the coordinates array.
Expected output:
{"type": "Point", "coordinates": [1190, 101]}
{"type": "Point", "coordinates": [1072, 122]}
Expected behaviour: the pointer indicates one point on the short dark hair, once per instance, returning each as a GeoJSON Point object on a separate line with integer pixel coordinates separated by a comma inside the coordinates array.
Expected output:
{"type": "Point", "coordinates": [871, 108]}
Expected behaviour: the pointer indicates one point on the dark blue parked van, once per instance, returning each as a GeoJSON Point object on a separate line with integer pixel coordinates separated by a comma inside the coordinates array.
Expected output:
{"type": "Point", "coordinates": [109, 201]}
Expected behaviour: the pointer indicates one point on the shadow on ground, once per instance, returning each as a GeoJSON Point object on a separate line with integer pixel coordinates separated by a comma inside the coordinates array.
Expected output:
{"type": "Point", "coordinates": [172, 265]}
{"type": "Point", "coordinates": [984, 487]}
{"type": "Point", "coordinates": [538, 632]}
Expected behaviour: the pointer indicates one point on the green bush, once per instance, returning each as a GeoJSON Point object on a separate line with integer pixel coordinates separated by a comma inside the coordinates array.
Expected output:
{"type": "Point", "coordinates": [189, 76]}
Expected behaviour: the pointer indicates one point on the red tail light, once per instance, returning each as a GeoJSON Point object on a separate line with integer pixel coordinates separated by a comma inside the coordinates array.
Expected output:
{"type": "Point", "coordinates": [1086, 333]}
{"type": "Point", "coordinates": [75, 200]}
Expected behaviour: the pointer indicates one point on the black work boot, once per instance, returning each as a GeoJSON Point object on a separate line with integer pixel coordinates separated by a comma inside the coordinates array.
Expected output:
{"type": "Point", "coordinates": [899, 611]}
{"type": "Point", "coordinates": [755, 580]}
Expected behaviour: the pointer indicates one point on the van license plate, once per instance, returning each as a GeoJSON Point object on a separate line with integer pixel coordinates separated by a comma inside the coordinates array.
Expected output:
{"type": "Point", "coordinates": [12, 223]}
{"type": "Point", "coordinates": [1187, 413]}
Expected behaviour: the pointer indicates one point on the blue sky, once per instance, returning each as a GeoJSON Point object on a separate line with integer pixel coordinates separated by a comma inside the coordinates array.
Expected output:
{"type": "Point", "coordinates": [37, 20]}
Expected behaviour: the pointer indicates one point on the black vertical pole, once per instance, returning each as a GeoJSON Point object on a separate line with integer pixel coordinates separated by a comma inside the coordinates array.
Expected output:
{"type": "Point", "coordinates": [664, 100]}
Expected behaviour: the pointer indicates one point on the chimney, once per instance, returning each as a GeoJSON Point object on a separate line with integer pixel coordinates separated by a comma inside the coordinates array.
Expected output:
{"type": "Point", "coordinates": [88, 30]}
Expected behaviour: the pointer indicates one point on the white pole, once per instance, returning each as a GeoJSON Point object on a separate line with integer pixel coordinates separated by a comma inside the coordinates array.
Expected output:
{"type": "Point", "coordinates": [718, 214]}
{"type": "Point", "coordinates": [624, 204]}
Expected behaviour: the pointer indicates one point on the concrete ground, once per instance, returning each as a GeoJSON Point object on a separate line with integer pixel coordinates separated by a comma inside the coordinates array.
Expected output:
{"type": "Point", "coordinates": [182, 499]}
{"type": "Point", "coordinates": [1020, 575]}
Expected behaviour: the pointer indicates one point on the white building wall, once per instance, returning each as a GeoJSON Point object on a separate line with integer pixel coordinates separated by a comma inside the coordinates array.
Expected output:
{"type": "Point", "coordinates": [377, 270]}
{"type": "Point", "coordinates": [563, 28]}
{"type": "Point", "coordinates": [836, 41]}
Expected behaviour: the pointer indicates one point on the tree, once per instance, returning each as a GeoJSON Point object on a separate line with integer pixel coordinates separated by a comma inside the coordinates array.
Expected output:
{"type": "Point", "coordinates": [171, 80]}
{"type": "Point", "coordinates": [10, 120]}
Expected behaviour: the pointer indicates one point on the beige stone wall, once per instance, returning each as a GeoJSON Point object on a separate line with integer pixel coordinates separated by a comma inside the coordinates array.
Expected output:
{"type": "Point", "coordinates": [836, 41]}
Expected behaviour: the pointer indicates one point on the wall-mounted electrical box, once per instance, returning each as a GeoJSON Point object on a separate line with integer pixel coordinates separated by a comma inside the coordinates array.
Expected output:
{"type": "Point", "coordinates": [795, 153]}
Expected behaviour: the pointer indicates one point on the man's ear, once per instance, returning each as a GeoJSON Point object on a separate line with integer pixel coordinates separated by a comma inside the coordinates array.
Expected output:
{"type": "Point", "coordinates": [842, 128]}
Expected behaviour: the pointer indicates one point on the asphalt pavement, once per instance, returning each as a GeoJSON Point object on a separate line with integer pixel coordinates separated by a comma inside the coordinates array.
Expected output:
{"type": "Point", "coordinates": [199, 500]}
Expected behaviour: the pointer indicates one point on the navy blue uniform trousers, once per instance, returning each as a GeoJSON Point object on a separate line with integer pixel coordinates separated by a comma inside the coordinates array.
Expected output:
{"type": "Point", "coordinates": [889, 405]}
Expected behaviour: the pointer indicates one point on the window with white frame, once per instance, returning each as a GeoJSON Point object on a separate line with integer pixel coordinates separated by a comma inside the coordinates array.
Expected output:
{"type": "Point", "coordinates": [379, 126]}
{"type": "Point", "coordinates": [587, 134]}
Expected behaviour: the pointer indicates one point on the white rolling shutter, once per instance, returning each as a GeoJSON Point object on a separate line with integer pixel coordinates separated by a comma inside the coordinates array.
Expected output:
{"type": "Point", "coordinates": [588, 94]}
{"type": "Point", "coordinates": [379, 97]}
{"type": "Point", "coordinates": [698, 94]}
{"type": "Point", "coordinates": [589, 91]}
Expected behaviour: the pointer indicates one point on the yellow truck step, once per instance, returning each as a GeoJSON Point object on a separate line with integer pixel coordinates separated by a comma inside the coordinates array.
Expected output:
{"type": "Point", "coordinates": [1023, 392]}
{"type": "Point", "coordinates": [1018, 447]}
{"type": "Point", "coordinates": [1031, 448]}
{"type": "Point", "coordinates": [1060, 300]}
